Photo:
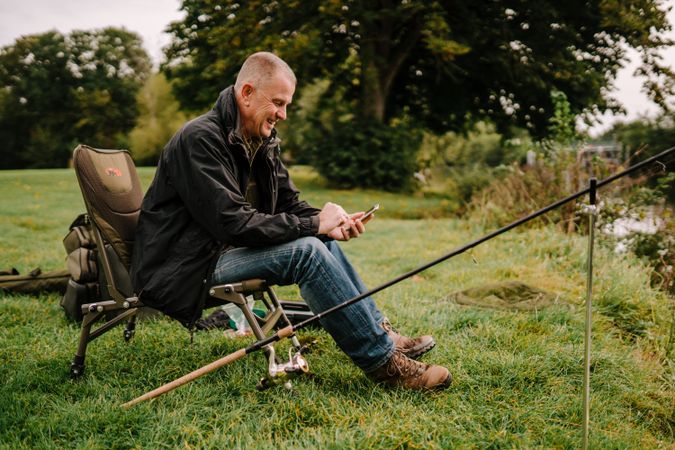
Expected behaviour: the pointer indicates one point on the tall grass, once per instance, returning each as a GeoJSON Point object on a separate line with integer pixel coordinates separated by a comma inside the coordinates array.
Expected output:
{"type": "Point", "coordinates": [518, 375]}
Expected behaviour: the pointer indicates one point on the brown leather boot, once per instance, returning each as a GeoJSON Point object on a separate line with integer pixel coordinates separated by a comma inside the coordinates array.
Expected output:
{"type": "Point", "coordinates": [412, 348]}
{"type": "Point", "coordinates": [403, 371]}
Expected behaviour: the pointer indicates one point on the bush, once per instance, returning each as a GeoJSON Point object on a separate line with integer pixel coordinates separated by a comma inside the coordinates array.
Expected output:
{"type": "Point", "coordinates": [559, 170]}
{"type": "Point", "coordinates": [370, 155]}
{"type": "Point", "coordinates": [458, 165]}
{"type": "Point", "coordinates": [627, 204]}
{"type": "Point", "coordinates": [325, 131]}
{"type": "Point", "coordinates": [527, 189]}
{"type": "Point", "coordinates": [479, 145]}
{"type": "Point", "coordinates": [306, 115]}
{"type": "Point", "coordinates": [643, 138]}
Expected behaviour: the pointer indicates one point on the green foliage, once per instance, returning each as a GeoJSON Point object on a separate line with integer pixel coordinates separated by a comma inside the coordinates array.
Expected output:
{"type": "Point", "coordinates": [518, 375]}
{"type": "Point", "coordinates": [522, 190]}
{"type": "Point", "coordinates": [562, 128]}
{"type": "Point", "coordinates": [299, 132]}
{"type": "Point", "coordinates": [479, 145]}
{"type": "Point", "coordinates": [557, 172]}
{"type": "Point", "coordinates": [348, 150]}
{"type": "Point", "coordinates": [620, 217]}
{"type": "Point", "coordinates": [158, 120]}
{"type": "Point", "coordinates": [644, 138]}
{"type": "Point", "coordinates": [443, 63]}
{"type": "Point", "coordinates": [458, 165]}
{"type": "Point", "coordinates": [58, 90]}
{"type": "Point", "coordinates": [560, 170]}
{"type": "Point", "coordinates": [367, 155]}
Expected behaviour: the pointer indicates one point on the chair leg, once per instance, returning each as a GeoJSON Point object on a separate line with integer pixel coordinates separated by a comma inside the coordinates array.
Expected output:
{"type": "Point", "coordinates": [130, 331]}
{"type": "Point", "coordinates": [77, 366]}
{"type": "Point", "coordinates": [87, 335]}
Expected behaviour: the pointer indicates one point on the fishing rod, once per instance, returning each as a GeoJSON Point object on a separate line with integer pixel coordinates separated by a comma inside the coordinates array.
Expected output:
{"type": "Point", "coordinates": [290, 330]}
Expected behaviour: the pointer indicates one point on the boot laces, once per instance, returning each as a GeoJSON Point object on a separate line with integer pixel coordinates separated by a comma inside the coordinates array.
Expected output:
{"type": "Point", "coordinates": [404, 366]}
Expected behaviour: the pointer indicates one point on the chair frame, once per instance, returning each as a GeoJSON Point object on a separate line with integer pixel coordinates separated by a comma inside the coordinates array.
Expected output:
{"type": "Point", "coordinates": [93, 312]}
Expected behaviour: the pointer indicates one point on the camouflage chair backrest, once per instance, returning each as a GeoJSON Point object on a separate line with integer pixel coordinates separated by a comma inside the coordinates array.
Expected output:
{"type": "Point", "coordinates": [112, 194]}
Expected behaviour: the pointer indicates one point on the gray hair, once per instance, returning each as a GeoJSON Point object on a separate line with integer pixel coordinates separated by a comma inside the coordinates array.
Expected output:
{"type": "Point", "coordinates": [260, 67]}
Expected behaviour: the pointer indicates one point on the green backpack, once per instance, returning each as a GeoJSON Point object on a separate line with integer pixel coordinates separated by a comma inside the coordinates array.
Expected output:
{"type": "Point", "coordinates": [82, 261]}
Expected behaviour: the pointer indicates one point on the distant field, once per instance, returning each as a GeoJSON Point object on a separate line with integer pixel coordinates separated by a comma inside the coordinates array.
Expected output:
{"type": "Point", "coordinates": [518, 375]}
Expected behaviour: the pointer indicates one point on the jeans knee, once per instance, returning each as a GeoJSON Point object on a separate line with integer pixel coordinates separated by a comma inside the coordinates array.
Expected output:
{"type": "Point", "coordinates": [310, 247]}
{"type": "Point", "coordinates": [310, 252]}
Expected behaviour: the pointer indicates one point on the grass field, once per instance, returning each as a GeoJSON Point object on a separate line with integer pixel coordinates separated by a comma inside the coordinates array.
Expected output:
{"type": "Point", "coordinates": [518, 375]}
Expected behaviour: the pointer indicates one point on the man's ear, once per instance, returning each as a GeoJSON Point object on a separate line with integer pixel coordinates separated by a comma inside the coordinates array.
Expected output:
{"type": "Point", "coordinates": [246, 91]}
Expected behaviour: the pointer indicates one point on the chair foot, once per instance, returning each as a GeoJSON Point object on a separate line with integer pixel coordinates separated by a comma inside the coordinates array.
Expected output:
{"type": "Point", "coordinates": [130, 331]}
{"type": "Point", "coordinates": [77, 367]}
{"type": "Point", "coordinates": [128, 334]}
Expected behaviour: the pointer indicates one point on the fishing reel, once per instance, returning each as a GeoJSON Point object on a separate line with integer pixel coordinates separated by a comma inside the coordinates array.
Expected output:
{"type": "Point", "coordinates": [283, 373]}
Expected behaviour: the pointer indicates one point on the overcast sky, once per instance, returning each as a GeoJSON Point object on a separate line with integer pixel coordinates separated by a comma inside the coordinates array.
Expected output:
{"type": "Point", "coordinates": [149, 18]}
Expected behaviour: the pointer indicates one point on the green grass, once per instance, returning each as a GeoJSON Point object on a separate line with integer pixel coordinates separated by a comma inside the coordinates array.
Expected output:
{"type": "Point", "coordinates": [518, 375]}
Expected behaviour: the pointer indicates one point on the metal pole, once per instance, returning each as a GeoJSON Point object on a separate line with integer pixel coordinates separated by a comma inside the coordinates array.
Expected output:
{"type": "Point", "coordinates": [592, 211]}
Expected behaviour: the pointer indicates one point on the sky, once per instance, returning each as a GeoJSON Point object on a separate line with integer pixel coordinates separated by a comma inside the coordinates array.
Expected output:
{"type": "Point", "coordinates": [149, 18]}
{"type": "Point", "coordinates": [146, 17]}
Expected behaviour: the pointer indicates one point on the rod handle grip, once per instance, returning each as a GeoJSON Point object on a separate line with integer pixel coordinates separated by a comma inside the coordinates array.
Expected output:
{"type": "Point", "coordinates": [593, 190]}
{"type": "Point", "coordinates": [186, 378]}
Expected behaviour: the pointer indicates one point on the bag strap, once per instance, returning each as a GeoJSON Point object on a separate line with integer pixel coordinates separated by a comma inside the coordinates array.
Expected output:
{"type": "Point", "coordinates": [81, 220]}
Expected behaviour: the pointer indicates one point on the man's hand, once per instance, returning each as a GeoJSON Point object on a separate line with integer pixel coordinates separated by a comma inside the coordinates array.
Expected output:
{"type": "Point", "coordinates": [331, 217]}
{"type": "Point", "coordinates": [353, 228]}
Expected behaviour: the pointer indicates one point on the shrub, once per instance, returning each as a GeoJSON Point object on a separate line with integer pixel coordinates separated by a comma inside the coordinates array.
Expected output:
{"type": "Point", "coordinates": [644, 138]}
{"type": "Point", "coordinates": [558, 170]}
{"type": "Point", "coordinates": [368, 155]}
{"type": "Point", "coordinates": [524, 190]}
{"type": "Point", "coordinates": [458, 165]}
{"type": "Point", "coordinates": [325, 130]}
{"type": "Point", "coordinates": [304, 127]}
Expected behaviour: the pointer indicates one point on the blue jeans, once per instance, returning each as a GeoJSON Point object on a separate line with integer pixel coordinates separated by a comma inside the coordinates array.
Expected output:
{"type": "Point", "coordinates": [326, 278]}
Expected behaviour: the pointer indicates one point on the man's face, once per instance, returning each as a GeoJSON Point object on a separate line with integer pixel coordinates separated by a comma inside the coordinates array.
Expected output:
{"type": "Point", "coordinates": [265, 104]}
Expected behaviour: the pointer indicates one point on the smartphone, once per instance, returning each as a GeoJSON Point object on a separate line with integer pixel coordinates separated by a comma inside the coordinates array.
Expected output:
{"type": "Point", "coordinates": [368, 213]}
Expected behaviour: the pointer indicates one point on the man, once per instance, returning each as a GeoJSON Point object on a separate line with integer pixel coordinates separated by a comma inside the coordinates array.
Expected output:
{"type": "Point", "coordinates": [222, 208]}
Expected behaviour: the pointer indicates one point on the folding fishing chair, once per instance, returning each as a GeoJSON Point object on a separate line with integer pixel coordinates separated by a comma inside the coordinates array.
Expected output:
{"type": "Point", "coordinates": [112, 196]}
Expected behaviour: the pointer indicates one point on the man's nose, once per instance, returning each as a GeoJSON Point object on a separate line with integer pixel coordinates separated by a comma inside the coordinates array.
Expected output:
{"type": "Point", "coordinates": [281, 113]}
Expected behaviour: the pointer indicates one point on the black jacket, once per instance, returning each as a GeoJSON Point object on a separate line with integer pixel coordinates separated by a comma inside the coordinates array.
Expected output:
{"type": "Point", "coordinates": [195, 207]}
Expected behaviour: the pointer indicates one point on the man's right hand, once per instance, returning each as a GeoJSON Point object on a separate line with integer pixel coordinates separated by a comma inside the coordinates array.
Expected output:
{"type": "Point", "coordinates": [331, 216]}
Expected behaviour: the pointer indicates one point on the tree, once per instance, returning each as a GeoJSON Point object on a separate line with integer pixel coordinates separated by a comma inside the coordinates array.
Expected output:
{"type": "Point", "coordinates": [158, 120]}
{"type": "Point", "coordinates": [439, 61]}
{"type": "Point", "coordinates": [440, 65]}
{"type": "Point", "coordinates": [643, 138]}
{"type": "Point", "coordinates": [58, 90]}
